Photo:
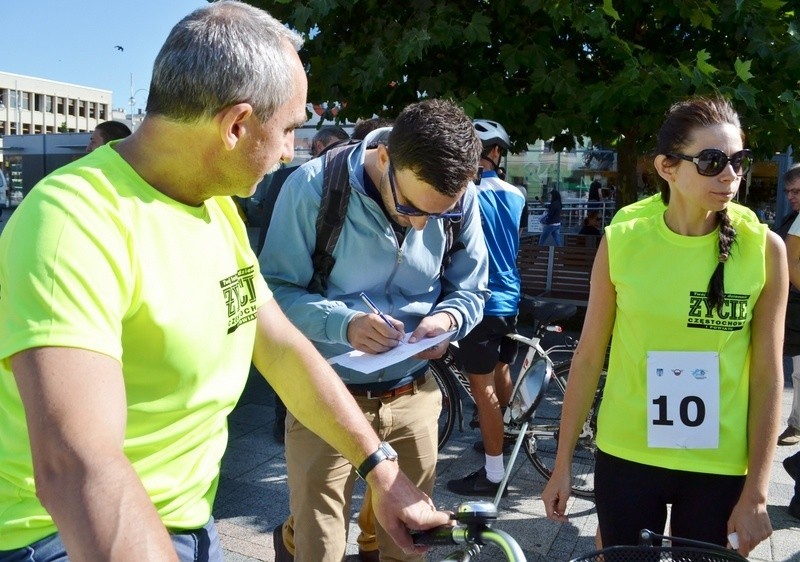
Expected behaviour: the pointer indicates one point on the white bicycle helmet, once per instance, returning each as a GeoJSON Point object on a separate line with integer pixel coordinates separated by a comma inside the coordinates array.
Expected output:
{"type": "Point", "coordinates": [492, 133]}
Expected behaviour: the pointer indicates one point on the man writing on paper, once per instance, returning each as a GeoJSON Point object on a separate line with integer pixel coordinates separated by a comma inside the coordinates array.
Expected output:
{"type": "Point", "coordinates": [392, 247]}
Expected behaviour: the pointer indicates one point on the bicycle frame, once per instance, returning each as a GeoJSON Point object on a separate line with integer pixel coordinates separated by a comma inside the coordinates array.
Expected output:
{"type": "Point", "coordinates": [539, 437]}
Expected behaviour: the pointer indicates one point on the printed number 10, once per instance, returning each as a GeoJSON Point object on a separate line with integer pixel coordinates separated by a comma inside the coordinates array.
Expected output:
{"type": "Point", "coordinates": [700, 411]}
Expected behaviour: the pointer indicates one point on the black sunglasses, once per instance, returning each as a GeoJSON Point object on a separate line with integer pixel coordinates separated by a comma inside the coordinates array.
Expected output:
{"type": "Point", "coordinates": [454, 214]}
{"type": "Point", "coordinates": [711, 162]}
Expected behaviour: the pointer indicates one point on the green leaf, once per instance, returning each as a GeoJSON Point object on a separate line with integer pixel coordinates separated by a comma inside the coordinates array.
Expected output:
{"type": "Point", "coordinates": [747, 95]}
{"type": "Point", "coordinates": [477, 30]}
{"type": "Point", "coordinates": [702, 63]}
{"type": "Point", "coordinates": [743, 69]}
{"type": "Point", "coordinates": [610, 11]}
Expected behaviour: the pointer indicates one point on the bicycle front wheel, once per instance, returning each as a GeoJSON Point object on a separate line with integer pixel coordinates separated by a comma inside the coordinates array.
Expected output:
{"type": "Point", "coordinates": [541, 443]}
{"type": "Point", "coordinates": [451, 402]}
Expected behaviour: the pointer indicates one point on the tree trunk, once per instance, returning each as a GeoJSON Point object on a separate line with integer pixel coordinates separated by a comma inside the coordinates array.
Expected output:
{"type": "Point", "coordinates": [627, 158]}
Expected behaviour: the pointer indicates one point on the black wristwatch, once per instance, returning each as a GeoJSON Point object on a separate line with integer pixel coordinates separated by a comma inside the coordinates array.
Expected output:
{"type": "Point", "coordinates": [385, 452]}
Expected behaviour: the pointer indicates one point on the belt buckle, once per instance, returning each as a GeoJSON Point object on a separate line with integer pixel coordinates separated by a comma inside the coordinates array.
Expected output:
{"type": "Point", "coordinates": [391, 393]}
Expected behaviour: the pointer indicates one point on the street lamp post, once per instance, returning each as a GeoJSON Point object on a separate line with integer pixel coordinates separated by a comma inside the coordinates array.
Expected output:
{"type": "Point", "coordinates": [133, 102]}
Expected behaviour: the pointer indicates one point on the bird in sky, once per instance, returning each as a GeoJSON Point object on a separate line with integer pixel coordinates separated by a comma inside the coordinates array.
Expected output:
{"type": "Point", "coordinates": [119, 47]}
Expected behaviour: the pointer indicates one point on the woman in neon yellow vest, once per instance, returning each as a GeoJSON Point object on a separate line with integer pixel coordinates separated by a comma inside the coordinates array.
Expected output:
{"type": "Point", "coordinates": [694, 298]}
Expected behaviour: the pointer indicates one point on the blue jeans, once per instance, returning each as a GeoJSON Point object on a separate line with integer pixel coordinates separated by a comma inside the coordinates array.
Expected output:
{"type": "Point", "coordinates": [199, 545]}
{"type": "Point", "coordinates": [549, 230]}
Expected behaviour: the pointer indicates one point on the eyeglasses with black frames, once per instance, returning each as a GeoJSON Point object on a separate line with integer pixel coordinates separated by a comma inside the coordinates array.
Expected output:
{"type": "Point", "coordinates": [453, 214]}
{"type": "Point", "coordinates": [794, 192]}
{"type": "Point", "coordinates": [711, 161]}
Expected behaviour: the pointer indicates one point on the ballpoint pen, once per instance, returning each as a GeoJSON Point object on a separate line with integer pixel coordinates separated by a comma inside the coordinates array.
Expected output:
{"type": "Point", "coordinates": [376, 310]}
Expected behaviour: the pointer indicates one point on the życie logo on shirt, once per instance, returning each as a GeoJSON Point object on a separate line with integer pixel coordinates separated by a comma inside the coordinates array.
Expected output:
{"type": "Point", "coordinates": [239, 293]}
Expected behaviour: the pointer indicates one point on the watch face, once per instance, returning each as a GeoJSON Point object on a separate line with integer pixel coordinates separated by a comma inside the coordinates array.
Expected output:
{"type": "Point", "coordinates": [387, 449]}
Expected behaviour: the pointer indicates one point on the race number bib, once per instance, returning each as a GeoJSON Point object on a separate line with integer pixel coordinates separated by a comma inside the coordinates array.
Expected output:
{"type": "Point", "coordinates": [683, 399]}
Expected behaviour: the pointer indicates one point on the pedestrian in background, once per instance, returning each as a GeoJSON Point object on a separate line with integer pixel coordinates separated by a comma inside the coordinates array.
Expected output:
{"type": "Point", "coordinates": [486, 354]}
{"type": "Point", "coordinates": [106, 132]}
{"type": "Point", "coordinates": [791, 344]}
{"type": "Point", "coordinates": [551, 221]}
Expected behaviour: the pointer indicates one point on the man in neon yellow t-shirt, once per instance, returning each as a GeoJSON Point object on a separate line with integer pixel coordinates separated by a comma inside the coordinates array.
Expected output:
{"type": "Point", "coordinates": [131, 306]}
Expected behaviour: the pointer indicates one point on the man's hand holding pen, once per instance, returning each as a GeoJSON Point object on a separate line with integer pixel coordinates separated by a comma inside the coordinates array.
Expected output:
{"type": "Point", "coordinates": [377, 332]}
{"type": "Point", "coordinates": [374, 332]}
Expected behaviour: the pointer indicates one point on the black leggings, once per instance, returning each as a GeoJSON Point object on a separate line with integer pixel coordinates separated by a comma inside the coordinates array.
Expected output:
{"type": "Point", "coordinates": [632, 496]}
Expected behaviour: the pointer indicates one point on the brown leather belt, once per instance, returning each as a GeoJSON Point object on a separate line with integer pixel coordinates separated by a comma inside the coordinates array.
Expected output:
{"type": "Point", "coordinates": [394, 392]}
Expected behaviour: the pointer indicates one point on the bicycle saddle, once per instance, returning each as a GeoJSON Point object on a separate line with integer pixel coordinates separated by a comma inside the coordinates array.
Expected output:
{"type": "Point", "coordinates": [546, 312]}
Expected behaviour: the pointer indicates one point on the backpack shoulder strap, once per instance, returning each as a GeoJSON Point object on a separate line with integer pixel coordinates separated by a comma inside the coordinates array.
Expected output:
{"type": "Point", "coordinates": [332, 211]}
{"type": "Point", "coordinates": [452, 230]}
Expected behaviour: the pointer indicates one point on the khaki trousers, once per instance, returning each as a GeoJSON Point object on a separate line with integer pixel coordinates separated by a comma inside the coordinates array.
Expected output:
{"type": "Point", "coordinates": [321, 480]}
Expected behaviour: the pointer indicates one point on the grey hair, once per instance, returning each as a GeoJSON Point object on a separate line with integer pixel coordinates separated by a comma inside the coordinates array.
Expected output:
{"type": "Point", "coordinates": [219, 55]}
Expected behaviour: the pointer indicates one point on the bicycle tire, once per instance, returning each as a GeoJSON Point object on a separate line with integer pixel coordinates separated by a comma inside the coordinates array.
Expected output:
{"type": "Point", "coordinates": [451, 400]}
{"type": "Point", "coordinates": [541, 441]}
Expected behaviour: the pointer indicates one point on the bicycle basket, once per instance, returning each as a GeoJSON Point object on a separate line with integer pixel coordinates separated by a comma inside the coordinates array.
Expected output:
{"type": "Point", "coordinates": [685, 550]}
{"type": "Point", "coordinates": [660, 554]}
{"type": "Point", "coordinates": [528, 391]}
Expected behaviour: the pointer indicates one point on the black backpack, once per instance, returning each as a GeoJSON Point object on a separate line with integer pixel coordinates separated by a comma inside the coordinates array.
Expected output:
{"type": "Point", "coordinates": [332, 211]}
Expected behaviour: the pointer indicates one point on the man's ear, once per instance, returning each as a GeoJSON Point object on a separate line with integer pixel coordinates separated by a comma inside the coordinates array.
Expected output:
{"type": "Point", "coordinates": [665, 171]}
{"type": "Point", "coordinates": [383, 158]}
{"type": "Point", "coordinates": [233, 122]}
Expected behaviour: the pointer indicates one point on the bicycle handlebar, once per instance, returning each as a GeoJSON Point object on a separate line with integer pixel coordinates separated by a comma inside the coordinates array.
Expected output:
{"type": "Point", "coordinates": [447, 536]}
{"type": "Point", "coordinates": [472, 531]}
{"type": "Point", "coordinates": [438, 536]}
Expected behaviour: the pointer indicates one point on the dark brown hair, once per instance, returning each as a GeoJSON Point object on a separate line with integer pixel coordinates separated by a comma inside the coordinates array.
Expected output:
{"type": "Point", "coordinates": [683, 118]}
{"type": "Point", "coordinates": [436, 140]}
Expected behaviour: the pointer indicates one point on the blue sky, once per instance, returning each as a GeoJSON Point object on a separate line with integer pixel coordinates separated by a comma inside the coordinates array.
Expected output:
{"type": "Point", "coordinates": [74, 41]}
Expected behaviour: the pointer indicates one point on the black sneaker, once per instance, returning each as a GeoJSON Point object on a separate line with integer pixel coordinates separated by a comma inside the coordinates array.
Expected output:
{"type": "Point", "coordinates": [282, 553]}
{"type": "Point", "coordinates": [794, 507]}
{"type": "Point", "coordinates": [508, 446]}
{"type": "Point", "coordinates": [792, 466]}
{"type": "Point", "coordinates": [279, 431]}
{"type": "Point", "coordinates": [475, 484]}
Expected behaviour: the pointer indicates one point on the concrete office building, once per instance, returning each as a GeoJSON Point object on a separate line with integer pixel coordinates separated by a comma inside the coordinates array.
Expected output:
{"type": "Point", "coordinates": [34, 105]}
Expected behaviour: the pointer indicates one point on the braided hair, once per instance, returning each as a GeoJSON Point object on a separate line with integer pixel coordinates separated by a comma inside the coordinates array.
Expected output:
{"type": "Point", "coordinates": [683, 118]}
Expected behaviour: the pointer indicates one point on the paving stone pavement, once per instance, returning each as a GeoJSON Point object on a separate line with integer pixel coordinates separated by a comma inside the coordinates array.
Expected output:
{"type": "Point", "coordinates": [253, 496]}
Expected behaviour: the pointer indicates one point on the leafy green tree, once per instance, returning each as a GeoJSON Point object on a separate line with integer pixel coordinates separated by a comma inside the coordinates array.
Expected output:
{"type": "Point", "coordinates": [558, 69]}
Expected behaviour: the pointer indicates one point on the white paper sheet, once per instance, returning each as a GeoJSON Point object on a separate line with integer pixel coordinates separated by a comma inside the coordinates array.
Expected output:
{"type": "Point", "coordinates": [368, 363]}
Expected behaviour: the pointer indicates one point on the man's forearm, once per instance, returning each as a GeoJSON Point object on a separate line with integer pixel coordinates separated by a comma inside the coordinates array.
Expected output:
{"type": "Point", "coordinates": [314, 393]}
{"type": "Point", "coordinates": [103, 513]}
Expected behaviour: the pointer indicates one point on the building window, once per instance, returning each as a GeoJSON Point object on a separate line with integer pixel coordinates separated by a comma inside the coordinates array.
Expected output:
{"type": "Point", "coordinates": [81, 108]}
{"type": "Point", "coordinates": [48, 104]}
{"type": "Point", "coordinates": [25, 98]}
{"type": "Point", "coordinates": [60, 105]}
{"type": "Point", "coordinates": [71, 107]}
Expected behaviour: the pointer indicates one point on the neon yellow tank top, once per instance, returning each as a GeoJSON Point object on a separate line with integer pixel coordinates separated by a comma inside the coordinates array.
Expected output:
{"type": "Point", "coordinates": [661, 279]}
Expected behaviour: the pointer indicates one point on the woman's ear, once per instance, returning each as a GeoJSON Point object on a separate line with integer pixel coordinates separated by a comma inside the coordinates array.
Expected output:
{"type": "Point", "coordinates": [666, 171]}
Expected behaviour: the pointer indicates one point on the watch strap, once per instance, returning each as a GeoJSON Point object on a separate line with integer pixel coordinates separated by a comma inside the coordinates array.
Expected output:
{"type": "Point", "coordinates": [384, 452]}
